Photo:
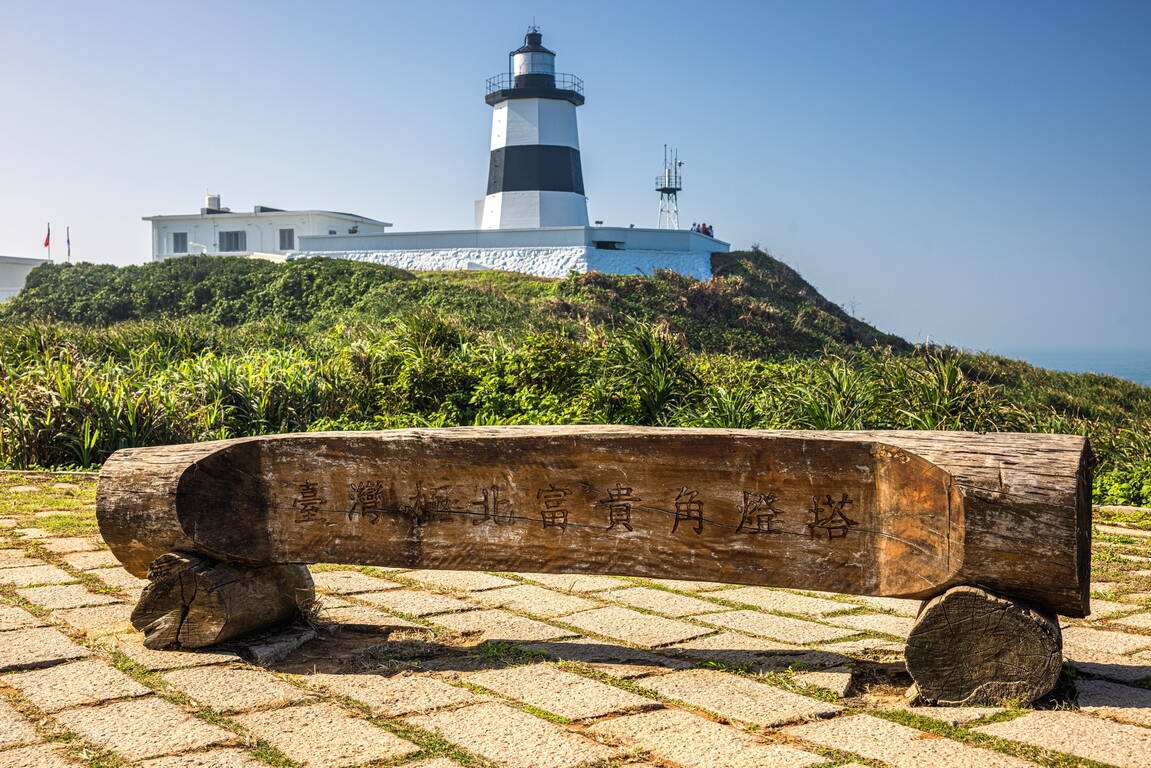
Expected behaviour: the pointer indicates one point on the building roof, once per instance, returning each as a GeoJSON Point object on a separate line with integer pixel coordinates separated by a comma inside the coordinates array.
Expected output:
{"type": "Point", "coordinates": [23, 259]}
{"type": "Point", "coordinates": [264, 211]}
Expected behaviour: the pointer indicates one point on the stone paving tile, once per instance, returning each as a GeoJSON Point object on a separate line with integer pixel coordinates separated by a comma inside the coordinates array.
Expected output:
{"type": "Point", "coordinates": [14, 729]}
{"type": "Point", "coordinates": [98, 620]}
{"type": "Point", "coordinates": [740, 698]}
{"type": "Point", "coordinates": [64, 596]}
{"type": "Point", "coordinates": [415, 603]}
{"type": "Point", "coordinates": [350, 582]}
{"type": "Point", "coordinates": [837, 679]}
{"type": "Point", "coordinates": [217, 758]}
{"type": "Point", "coordinates": [511, 737]}
{"type": "Point", "coordinates": [68, 544]}
{"type": "Point", "coordinates": [143, 728]}
{"type": "Point", "coordinates": [559, 692]}
{"type": "Point", "coordinates": [788, 602]}
{"type": "Point", "coordinates": [34, 648]}
{"type": "Point", "coordinates": [443, 762]}
{"type": "Point", "coordinates": [777, 627]}
{"type": "Point", "coordinates": [363, 615]}
{"type": "Point", "coordinates": [688, 740]}
{"type": "Point", "coordinates": [690, 586]}
{"type": "Point", "coordinates": [37, 756]}
{"type": "Point", "coordinates": [32, 534]}
{"type": "Point", "coordinates": [495, 624]}
{"type": "Point", "coordinates": [1127, 746]}
{"type": "Point", "coordinates": [899, 745]}
{"type": "Point", "coordinates": [12, 617]}
{"type": "Point", "coordinates": [528, 598]}
{"type": "Point", "coordinates": [1128, 669]}
{"type": "Point", "coordinates": [1103, 640]}
{"type": "Point", "coordinates": [900, 605]}
{"type": "Point", "coordinates": [465, 581]}
{"type": "Point", "coordinates": [1120, 530]}
{"type": "Point", "coordinates": [634, 627]}
{"type": "Point", "coordinates": [1138, 620]}
{"type": "Point", "coordinates": [17, 558]}
{"type": "Point", "coordinates": [71, 685]}
{"type": "Point", "coordinates": [613, 659]}
{"type": "Point", "coordinates": [1118, 702]}
{"type": "Point", "coordinates": [756, 654]}
{"type": "Point", "coordinates": [1102, 609]}
{"type": "Point", "coordinates": [132, 646]}
{"type": "Point", "coordinates": [900, 626]}
{"type": "Point", "coordinates": [395, 696]}
{"type": "Point", "coordinates": [955, 715]}
{"type": "Point", "coordinates": [667, 603]}
{"type": "Point", "coordinates": [87, 561]}
{"type": "Point", "coordinates": [35, 574]}
{"type": "Point", "coordinates": [865, 644]}
{"type": "Point", "coordinates": [575, 582]}
{"type": "Point", "coordinates": [324, 735]}
{"type": "Point", "coordinates": [234, 690]}
{"type": "Point", "coordinates": [118, 578]}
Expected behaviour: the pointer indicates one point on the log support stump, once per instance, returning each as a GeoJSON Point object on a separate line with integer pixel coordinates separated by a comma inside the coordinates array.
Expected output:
{"type": "Point", "coordinates": [194, 601]}
{"type": "Point", "coordinates": [970, 647]}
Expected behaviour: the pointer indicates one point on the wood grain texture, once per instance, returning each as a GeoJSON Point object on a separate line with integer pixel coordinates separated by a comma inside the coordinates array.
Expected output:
{"type": "Point", "coordinates": [905, 514]}
{"type": "Point", "coordinates": [971, 648]}
{"type": "Point", "coordinates": [193, 601]}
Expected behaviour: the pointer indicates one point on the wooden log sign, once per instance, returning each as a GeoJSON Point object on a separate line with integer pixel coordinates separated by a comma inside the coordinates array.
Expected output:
{"type": "Point", "coordinates": [904, 514]}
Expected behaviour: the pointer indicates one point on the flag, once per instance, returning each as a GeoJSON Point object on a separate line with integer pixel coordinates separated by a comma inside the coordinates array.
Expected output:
{"type": "Point", "coordinates": [48, 237]}
{"type": "Point", "coordinates": [68, 240]}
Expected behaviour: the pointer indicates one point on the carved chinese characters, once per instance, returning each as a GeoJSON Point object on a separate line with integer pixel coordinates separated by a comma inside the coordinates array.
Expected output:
{"type": "Point", "coordinates": [557, 506]}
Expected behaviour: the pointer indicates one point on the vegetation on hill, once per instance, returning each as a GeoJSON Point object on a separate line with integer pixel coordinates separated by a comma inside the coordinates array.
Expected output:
{"type": "Point", "coordinates": [95, 358]}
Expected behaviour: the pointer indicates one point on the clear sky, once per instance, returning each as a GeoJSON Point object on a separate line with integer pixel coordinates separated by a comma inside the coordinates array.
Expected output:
{"type": "Point", "coordinates": [977, 171]}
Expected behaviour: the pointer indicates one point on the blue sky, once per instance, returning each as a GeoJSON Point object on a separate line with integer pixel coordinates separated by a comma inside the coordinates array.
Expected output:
{"type": "Point", "coordinates": [974, 172]}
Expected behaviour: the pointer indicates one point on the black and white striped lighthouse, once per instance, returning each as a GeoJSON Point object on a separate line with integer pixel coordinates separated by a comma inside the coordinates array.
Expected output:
{"type": "Point", "coordinates": [535, 179]}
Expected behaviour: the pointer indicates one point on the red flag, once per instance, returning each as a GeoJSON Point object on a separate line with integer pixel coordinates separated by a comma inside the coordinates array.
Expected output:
{"type": "Point", "coordinates": [48, 237]}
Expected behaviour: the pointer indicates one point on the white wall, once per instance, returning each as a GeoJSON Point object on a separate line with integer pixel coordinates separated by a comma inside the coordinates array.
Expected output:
{"type": "Point", "coordinates": [542, 261]}
{"type": "Point", "coordinates": [13, 271]}
{"type": "Point", "coordinates": [263, 231]}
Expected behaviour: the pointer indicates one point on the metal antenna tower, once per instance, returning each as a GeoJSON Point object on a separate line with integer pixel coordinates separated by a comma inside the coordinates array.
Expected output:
{"type": "Point", "coordinates": [668, 184]}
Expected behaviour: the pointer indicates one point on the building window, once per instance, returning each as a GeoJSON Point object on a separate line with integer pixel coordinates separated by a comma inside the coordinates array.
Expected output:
{"type": "Point", "coordinates": [287, 239]}
{"type": "Point", "coordinates": [179, 242]}
{"type": "Point", "coordinates": [234, 241]}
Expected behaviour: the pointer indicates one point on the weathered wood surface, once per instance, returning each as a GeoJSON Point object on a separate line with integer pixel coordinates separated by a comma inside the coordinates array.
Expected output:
{"type": "Point", "coordinates": [193, 601]}
{"type": "Point", "coordinates": [969, 647]}
{"type": "Point", "coordinates": [906, 514]}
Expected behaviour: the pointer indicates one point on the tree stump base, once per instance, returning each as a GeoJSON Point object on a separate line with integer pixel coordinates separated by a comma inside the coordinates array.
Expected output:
{"type": "Point", "coordinates": [194, 601]}
{"type": "Point", "coordinates": [970, 647]}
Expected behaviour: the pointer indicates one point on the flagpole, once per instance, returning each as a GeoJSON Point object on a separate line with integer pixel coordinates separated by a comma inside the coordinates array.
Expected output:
{"type": "Point", "coordinates": [68, 239]}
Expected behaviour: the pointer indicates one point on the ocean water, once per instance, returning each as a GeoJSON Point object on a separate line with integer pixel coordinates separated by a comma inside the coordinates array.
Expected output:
{"type": "Point", "coordinates": [1132, 364]}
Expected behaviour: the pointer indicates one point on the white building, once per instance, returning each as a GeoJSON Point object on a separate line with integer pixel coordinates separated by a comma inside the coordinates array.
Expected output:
{"type": "Point", "coordinates": [533, 217]}
{"type": "Point", "coordinates": [13, 271]}
{"type": "Point", "coordinates": [268, 233]}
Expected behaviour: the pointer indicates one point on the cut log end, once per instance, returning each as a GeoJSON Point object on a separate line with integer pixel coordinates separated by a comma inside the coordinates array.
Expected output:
{"type": "Point", "coordinates": [194, 601]}
{"type": "Point", "coordinates": [970, 647]}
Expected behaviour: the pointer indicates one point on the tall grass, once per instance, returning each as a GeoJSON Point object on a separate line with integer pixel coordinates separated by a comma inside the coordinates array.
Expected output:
{"type": "Point", "coordinates": [71, 396]}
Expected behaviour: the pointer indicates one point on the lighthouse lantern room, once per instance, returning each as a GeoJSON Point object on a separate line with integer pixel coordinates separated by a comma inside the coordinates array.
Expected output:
{"type": "Point", "coordinates": [534, 176]}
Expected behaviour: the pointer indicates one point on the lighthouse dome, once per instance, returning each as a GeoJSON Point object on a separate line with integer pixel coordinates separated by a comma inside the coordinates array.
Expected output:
{"type": "Point", "coordinates": [532, 58]}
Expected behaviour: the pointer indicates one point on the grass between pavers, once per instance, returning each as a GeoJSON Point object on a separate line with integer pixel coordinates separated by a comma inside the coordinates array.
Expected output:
{"type": "Point", "coordinates": [79, 495]}
{"type": "Point", "coordinates": [1132, 517]}
{"type": "Point", "coordinates": [964, 735]}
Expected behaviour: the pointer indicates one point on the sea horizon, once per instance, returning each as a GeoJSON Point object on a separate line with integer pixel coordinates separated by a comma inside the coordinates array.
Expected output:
{"type": "Point", "coordinates": [1131, 364]}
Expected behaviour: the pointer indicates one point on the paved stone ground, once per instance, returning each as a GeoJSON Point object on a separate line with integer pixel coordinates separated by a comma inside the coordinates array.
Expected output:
{"type": "Point", "coordinates": [427, 669]}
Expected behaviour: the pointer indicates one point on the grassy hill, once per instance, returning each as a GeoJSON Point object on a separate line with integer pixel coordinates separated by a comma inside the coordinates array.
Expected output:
{"type": "Point", "coordinates": [759, 306]}
{"type": "Point", "coordinates": [94, 358]}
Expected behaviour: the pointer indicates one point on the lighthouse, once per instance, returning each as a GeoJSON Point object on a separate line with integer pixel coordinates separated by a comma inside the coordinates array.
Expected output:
{"type": "Point", "coordinates": [533, 217]}
{"type": "Point", "coordinates": [534, 178]}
